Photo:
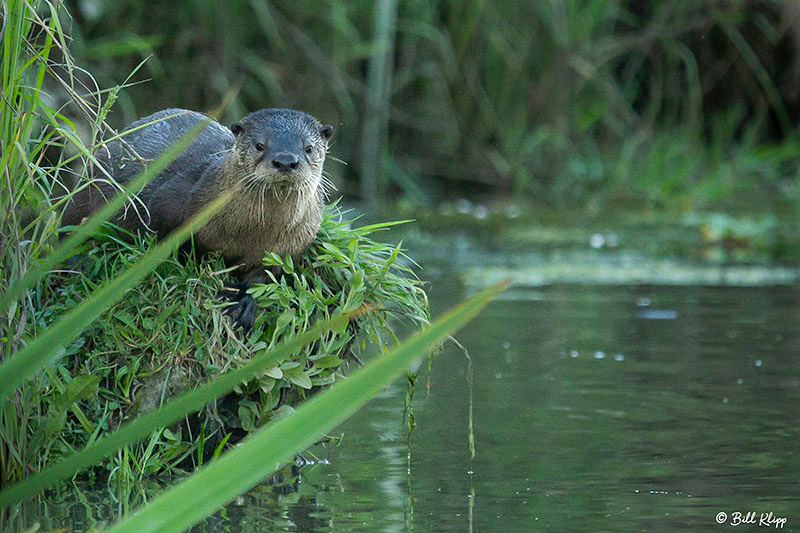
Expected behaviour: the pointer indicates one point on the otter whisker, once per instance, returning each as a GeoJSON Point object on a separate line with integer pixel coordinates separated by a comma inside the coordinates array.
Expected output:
{"type": "Point", "coordinates": [326, 182]}
{"type": "Point", "coordinates": [262, 210]}
{"type": "Point", "coordinates": [244, 181]}
{"type": "Point", "coordinates": [226, 151]}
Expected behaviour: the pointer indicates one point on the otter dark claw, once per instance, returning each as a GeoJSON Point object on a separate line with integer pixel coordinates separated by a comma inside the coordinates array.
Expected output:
{"type": "Point", "coordinates": [242, 308]}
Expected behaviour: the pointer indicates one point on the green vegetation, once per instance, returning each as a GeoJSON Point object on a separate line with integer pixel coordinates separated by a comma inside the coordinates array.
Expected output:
{"type": "Point", "coordinates": [169, 333]}
{"type": "Point", "coordinates": [93, 353]}
{"type": "Point", "coordinates": [597, 103]}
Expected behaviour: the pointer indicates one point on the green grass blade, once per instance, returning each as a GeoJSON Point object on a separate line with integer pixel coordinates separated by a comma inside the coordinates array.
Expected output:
{"type": "Point", "coordinates": [266, 450]}
{"type": "Point", "coordinates": [84, 231]}
{"type": "Point", "coordinates": [364, 230]}
{"type": "Point", "coordinates": [27, 361]}
{"type": "Point", "coordinates": [170, 413]}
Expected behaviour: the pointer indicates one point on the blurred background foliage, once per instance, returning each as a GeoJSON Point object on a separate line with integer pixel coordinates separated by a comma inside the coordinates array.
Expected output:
{"type": "Point", "coordinates": [597, 104]}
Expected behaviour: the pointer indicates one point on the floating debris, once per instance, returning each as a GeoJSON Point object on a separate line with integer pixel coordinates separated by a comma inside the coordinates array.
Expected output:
{"type": "Point", "coordinates": [597, 241]}
{"type": "Point", "coordinates": [657, 314]}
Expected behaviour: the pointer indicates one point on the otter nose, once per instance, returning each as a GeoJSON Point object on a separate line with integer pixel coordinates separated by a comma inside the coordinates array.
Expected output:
{"type": "Point", "coordinates": [285, 161]}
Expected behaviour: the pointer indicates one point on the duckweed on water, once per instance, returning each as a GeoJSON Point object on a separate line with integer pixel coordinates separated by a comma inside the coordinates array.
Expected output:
{"type": "Point", "coordinates": [169, 334]}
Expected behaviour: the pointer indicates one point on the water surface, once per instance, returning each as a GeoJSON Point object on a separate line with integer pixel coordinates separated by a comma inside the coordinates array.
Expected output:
{"type": "Point", "coordinates": [611, 408]}
{"type": "Point", "coordinates": [613, 404]}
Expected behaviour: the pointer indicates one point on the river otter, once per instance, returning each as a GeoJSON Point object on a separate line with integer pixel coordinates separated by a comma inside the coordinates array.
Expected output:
{"type": "Point", "coordinates": [272, 159]}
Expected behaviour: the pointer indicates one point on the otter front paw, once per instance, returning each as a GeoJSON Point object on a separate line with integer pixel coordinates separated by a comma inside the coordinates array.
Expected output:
{"type": "Point", "coordinates": [242, 308]}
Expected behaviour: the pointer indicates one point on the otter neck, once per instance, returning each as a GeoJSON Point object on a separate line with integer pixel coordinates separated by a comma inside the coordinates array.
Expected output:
{"type": "Point", "coordinates": [276, 203]}
{"type": "Point", "coordinates": [260, 217]}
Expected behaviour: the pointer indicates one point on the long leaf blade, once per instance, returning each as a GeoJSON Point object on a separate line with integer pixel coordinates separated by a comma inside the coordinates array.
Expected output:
{"type": "Point", "coordinates": [266, 450]}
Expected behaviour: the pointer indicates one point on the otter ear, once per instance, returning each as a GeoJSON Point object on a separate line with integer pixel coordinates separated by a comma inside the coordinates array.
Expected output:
{"type": "Point", "coordinates": [326, 132]}
{"type": "Point", "coordinates": [237, 128]}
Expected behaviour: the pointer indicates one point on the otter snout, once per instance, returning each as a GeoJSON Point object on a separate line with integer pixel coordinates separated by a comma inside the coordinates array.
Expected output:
{"type": "Point", "coordinates": [285, 161]}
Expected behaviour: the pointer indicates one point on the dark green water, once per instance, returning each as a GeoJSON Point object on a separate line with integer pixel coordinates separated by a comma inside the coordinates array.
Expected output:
{"type": "Point", "coordinates": [595, 408]}
{"type": "Point", "coordinates": [606, 406]}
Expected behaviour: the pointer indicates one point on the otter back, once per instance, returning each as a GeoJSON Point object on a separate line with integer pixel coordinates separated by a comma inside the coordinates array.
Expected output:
{"type": "Point", "coordinates": [143, 141]}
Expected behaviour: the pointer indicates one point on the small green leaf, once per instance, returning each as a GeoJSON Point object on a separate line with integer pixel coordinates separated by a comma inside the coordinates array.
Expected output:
{"type": "Point", "coordinates": [288, 265]}
{"type": "Point", "coordinates": [221, 445]}
{"type": "Point", "coordinates": [301, 380]}
{"type": "Point", "coordinates": [81, 388]}
{"type": "Point", "coordinates": [285, 319]}
{"type": "Point", "coordinates": [282, 412]}
{"type": "Point", "coordinates": [266, 384]}
{"type": "Point", "coordinates": [48, 428]}
{"type": "Point", "coordinates": [125, 318]}
{"type": "Point", "coordinates": [357, 280]}
{"type": "Point", "coordinates": [246, 417]}
{"type": "Point", "coordinates": [319, 381]}
{"type": "Point", "coordinates": [274, 372]}
{"type": "Point", "coordinates": [328, 361]}
{"type": "Point", "coordinates": [257, 291]}
{"type": "Point", "coordinates": [272, 259]}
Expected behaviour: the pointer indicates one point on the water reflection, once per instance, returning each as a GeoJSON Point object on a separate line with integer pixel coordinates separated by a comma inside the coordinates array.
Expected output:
{"type": "Point", "coordinates": [679, 424]}
{"type": "Point", "coordinates": [588, 415]}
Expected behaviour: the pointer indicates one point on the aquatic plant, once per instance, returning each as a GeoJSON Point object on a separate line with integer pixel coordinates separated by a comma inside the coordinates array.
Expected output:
{"type": "Point", "coordinates": [68, 395]}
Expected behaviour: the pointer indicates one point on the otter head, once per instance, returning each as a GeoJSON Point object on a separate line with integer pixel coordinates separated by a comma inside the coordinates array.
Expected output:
{"type": "Point", "coordinates": [281, 149]}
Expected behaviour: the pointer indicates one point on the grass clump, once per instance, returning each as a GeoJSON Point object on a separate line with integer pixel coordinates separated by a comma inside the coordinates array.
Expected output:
{"type": "Point", "coordinates": [169, 334]}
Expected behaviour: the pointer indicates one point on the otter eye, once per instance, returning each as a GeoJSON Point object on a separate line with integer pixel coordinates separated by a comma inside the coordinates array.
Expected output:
{"type": "Point", "coordinates": [259, 147]}
{"type": "Point", "coordinates": [309, 149]}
